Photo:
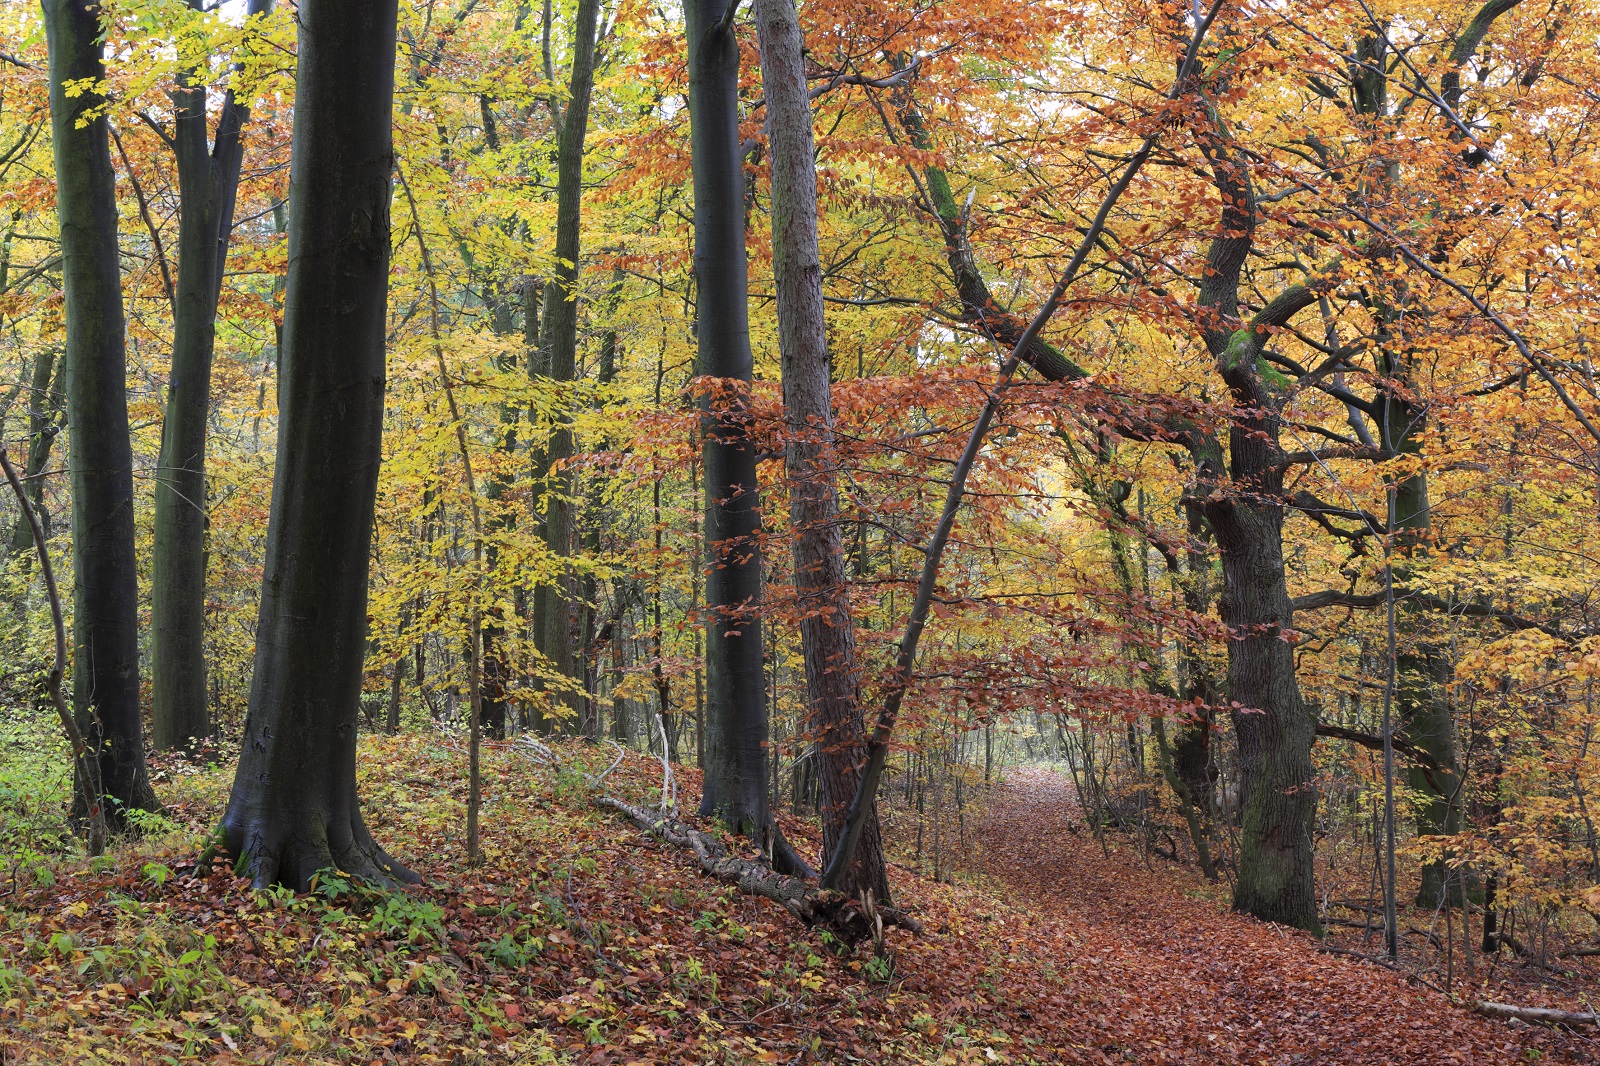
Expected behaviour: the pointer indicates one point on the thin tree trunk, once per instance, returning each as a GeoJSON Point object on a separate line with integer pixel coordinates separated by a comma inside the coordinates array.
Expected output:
{"type": "Point", "coordinates": [558, 342]}
{"type": "Point", "coordinates": [293, 809]}
{"type": "Point", "coordinates": [105, 676]}
{"type": "Point", "coordinates": [45, 403]}
{"type": "Point", "coordinates": [827, 630]}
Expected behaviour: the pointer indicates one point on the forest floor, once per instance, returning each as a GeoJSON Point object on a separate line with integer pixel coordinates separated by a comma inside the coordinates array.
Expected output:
{"type": "Point", "coordinates": [579, 941]}
{"type": "Point", "coordinates": [1161, 969]}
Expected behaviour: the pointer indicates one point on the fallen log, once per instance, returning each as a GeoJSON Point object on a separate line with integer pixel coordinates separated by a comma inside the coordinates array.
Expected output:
{"type": "Point", "coordinates": [1532, 1015]}
{"type": "Point", "coordinates": [1579, 953]}
{"type": "Point", "coordinates": [845, 918]}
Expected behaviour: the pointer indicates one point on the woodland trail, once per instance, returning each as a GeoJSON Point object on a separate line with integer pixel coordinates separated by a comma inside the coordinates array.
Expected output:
{"type": "Point", "coordinates": [1169, 976]}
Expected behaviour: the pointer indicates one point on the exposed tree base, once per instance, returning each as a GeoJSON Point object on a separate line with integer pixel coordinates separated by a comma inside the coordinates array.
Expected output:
{"type": "Point", "coordinates": [845, 918]}
{"type": "Point", "coordinates": [291, 851]}
{"type": "Point", "coordinates": [1532, 1015]}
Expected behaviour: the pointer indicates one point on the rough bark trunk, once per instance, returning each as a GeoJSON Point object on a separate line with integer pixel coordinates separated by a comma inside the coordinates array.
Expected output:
{"type": "Point", "coordinates": [1245, 508]}
{"type": "Point", "coordinates": [827, 630]}
{"type": "Point", "coordinates": [1275, 728]}
{"type": "Point", "coordinates": [105, 676]}
{"type": "Point", "coordinates": [558, 342]}
{"type": "Point", "coordinates": [293, 809]}
{"type": "Point", "coordinates": [208, 183]}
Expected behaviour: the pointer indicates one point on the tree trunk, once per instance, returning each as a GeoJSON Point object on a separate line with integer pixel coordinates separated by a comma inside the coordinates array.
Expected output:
{"type": "Point", "coordinates": [105, 676]}
{"type": "Point", "coordinates": [1245, 508]}
{"type": "Point", "coordinates": [558, 342]}
{"type": "Point", "coordinates": [827, 630]}
{"type": "Point", "coordinates": [736, 706]}
{"type": "Point", "coordinates": [1275, 728]}
{"type": "Point", "coordinates": [45, 402]}
{"type": "Point", "coordinates": [208, 183]}
{"type": "Point", "coordinates": [293, 810]}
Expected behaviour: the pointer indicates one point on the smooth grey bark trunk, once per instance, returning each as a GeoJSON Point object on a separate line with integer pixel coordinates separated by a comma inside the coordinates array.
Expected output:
{"type": "Point", "coordinates": [1422, 666]}
{"type": "Point", "coordinates": [827, 630]}
{"type": "Point", "coordinates": [558, 343]}
{"type": "Point", "coordinates": [208, 185]}
{"type": "Point", "coordinates": [105, 675]}
{"type": "Point", "coordinates": [293, 809]}
{"type": "Point", "coordinates": [735, 788]}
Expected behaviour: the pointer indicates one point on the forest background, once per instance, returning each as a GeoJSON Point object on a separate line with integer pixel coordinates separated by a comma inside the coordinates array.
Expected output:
{"type": "Point", "coordinates": [1308, 449]}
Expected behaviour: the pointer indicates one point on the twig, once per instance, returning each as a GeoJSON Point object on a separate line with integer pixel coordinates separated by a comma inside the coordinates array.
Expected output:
{"type": "Point", "coordinates": [87, 762]}
{"type": "Point", "coordinates": [669, 787]}
{"type": "Point", "coordinates": [622, 753]}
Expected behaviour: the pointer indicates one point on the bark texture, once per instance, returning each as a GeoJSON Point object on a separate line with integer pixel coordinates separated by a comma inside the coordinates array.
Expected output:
{"type": "Point", "coordinates": [208, 183]}
{"type": "Point", "coordinates": [105, 676]}
{"type": "Point", "coordinates": [827, 630]}
{"type": "Point", "coordinates": [1244, 506]}
{"type": "Point", "coordinates": [293, 809]}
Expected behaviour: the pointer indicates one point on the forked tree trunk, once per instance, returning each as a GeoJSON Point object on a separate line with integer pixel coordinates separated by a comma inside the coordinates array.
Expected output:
{"type": "Point", "coordinates": [1245, 506]}
{"type": "Point", "coordinates": [735, 765]}
{"type": "Point", "coordinates": [208, 184]}
{"type": "Point", "coordinates": [105, 675]}
{"type": "Point", "coordinates": [293, 810]}
{"type": "Point", "coordinates": [558, 341]}
{"type": "Point", "coordinates": [827, 631]}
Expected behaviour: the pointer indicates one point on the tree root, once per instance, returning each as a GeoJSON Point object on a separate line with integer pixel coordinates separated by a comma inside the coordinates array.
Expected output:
{"type": "Point", "coordinates": [270, 854]}
{"type": "Point", "coordinates": [849, 920]}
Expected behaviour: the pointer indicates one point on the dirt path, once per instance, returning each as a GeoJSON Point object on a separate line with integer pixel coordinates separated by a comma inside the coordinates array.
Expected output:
{"type": "Point", "coordinates": [1171, 977]}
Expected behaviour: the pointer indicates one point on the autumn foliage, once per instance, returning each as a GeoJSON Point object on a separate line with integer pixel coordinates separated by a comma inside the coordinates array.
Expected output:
{"type": "Point", "coordinates": [1305, 468]}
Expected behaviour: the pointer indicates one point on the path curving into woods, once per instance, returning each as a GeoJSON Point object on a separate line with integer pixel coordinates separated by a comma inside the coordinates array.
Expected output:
{"type": "Point", "coordinates": [1160, 974]}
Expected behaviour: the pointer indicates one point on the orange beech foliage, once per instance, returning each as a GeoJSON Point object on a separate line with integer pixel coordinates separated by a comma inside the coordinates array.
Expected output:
{"type": "Point", "coordinates": [1417, 180]}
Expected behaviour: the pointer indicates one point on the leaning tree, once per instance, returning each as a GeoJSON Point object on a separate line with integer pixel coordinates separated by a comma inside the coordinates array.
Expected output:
{"type": "Point", "coordinates": [827, 630]}
{"type": "Point", "coordinates": [293, 810]}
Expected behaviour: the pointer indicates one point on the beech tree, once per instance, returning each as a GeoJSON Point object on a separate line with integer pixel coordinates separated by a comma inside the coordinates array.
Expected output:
{"type": "Point", "coordinates": [208, 186]}
{"type": "Point", "coordinates": [558, 347]}
{"type": "Point", "coordinates": [105, 635]}
{"type": "Point", "coordinates": [736, 700]}
{"type": "Point", "coordinates": [293, 809]}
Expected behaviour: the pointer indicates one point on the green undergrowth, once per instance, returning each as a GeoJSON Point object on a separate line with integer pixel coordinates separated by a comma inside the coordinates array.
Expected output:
{"type": "Point", "coordinates": [577, 940]}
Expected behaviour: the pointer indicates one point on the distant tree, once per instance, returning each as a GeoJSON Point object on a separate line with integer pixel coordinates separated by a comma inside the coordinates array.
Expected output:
{"type": "Point", "coordinates": [105, 675]}
{"type": "Point", "coordinates": [293, 809]}
{"type": "Point", "coordinates": [558, 346]}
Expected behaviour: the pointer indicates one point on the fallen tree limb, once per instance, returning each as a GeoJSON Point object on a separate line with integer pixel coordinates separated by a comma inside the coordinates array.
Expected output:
{"type": "Point", "coordinates": [1532, 1015]}
{"type": "Point", "coordinates": [1578, 953]}
{"type": "Point", "coordinates": [843, 917]}
{"type": "Point", "coordinates": [1379, 960]}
